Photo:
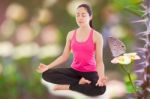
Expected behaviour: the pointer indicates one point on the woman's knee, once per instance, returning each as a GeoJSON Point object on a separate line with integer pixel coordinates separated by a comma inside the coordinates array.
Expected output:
{"type": "Point", "coordinates": [101, 90]}
{"type": "Point", "coordinates": [47, 75]}
{"type": "Point", "coordinates": [98, 91]}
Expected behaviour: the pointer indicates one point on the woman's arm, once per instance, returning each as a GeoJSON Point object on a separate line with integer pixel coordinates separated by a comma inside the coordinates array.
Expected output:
{"type": "Point", "coordinates": [65, 55]}
{"type": "Point", "coordinates": [42, 67]}
{"type": "Point", "coordinates": [99, 54]}
{"type": "Point", "coordinates": [99, 59]}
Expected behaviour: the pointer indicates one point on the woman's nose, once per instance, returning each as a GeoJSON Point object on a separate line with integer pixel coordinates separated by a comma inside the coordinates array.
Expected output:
{"type": "Point", "coordinates": [80, 18]}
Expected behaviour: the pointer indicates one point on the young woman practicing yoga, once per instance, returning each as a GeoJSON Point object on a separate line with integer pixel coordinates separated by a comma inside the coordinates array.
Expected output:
{"type": "Point", "coordinates": [86, 74]}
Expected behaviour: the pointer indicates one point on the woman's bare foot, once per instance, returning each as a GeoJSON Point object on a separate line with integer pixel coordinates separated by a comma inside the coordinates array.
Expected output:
{"type": "Point", "coordinates": [61, 87]}
{"type": "Point", "coordinates": [84, 81]}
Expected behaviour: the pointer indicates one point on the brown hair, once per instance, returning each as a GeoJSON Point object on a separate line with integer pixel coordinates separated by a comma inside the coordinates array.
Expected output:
{"type": "Point", "coordinates": [89, 10]}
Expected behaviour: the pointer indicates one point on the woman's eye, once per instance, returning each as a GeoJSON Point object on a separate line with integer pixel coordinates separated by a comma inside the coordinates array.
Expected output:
{"type": "Point", "coordinates": [83, 15]}
{"type": "Point", "coordinates": [78, 15]}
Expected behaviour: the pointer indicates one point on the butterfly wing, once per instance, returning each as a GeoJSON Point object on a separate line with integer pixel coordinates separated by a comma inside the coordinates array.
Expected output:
{"type": "Point", "coordinates": [117, 47]}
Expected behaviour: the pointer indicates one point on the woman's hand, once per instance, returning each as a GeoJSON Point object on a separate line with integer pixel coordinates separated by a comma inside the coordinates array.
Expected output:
{"type": "Point", "coordinates": [101, 81]}
{"type": "Point", "coordinates": [42, 68]}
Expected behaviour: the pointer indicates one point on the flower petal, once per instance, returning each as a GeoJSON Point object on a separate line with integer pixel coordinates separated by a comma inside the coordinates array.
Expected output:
{"type": "Point", "coordinates": [132, 56]}
{"type": "Point", "coordinates": [114, 61]}
{"type": "Point", "coordinates": [124, 60]}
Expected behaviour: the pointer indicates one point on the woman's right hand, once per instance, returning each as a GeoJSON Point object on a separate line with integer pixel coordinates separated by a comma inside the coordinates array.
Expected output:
{"type": "Point", "coordinates": [42, 68]}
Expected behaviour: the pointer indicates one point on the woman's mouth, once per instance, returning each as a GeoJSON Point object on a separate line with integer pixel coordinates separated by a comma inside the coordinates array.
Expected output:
{"type": "Point", "coordinates": [80, 22]}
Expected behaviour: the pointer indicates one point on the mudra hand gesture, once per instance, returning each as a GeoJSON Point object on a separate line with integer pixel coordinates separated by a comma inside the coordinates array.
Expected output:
{"type": "Point", "coordinates": [42, 68]}
{"type": "Point", "coordinates": [102, 81]}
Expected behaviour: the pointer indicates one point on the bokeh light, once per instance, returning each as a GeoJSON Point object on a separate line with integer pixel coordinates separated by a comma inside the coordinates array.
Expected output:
{"type": "Point", "coordinates": [16, 12]}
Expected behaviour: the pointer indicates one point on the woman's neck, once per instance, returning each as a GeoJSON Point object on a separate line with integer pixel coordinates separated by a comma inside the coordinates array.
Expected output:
{"type": "Point", "coordinates": [85, 28]}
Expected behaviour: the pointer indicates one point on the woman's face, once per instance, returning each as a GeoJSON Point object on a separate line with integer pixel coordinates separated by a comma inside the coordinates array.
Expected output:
{"type": "Point", "coordinates": [82, 17]}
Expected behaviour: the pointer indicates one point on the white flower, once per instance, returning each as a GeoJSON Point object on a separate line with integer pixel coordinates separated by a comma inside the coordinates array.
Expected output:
{"type": "Point", "coordinates": [121, 60]}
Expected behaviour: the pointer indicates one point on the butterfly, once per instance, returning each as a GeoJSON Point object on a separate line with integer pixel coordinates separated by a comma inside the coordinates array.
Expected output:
{"type": "Point", "coordinates": [117, 47]}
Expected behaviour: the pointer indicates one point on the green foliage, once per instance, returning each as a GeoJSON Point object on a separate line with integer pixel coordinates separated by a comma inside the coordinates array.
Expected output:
{"type": "Point", "coordinates": [128, 84]}
{"type": "Point", "coordinates": [132, 6]}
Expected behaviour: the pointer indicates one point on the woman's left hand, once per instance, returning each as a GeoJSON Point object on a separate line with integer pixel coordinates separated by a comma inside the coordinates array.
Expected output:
{"type": "Point", "coordinates": [101, 81]}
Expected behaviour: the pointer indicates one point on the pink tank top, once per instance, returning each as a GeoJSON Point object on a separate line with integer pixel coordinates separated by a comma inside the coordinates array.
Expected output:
{"type": "Point", "coordinates": [83, 54]}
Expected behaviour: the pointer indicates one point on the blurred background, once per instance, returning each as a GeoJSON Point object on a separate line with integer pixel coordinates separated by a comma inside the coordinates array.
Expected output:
{"type": "Point", "coordinates": [34, 31]}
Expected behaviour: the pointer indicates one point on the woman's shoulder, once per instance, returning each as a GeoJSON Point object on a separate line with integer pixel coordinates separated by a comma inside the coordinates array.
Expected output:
{"type": "Point", "coordinates": [70, 33]}
{"type": "Point", "coordinates": [96, 35]}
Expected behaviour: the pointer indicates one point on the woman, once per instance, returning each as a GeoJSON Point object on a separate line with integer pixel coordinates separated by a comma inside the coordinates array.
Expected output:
{"type": "Point", "coordinates": [86, 74]}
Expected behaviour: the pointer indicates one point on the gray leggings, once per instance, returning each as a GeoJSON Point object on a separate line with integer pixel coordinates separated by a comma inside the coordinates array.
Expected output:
{"type": "Point", "coordinates": [72, 77]}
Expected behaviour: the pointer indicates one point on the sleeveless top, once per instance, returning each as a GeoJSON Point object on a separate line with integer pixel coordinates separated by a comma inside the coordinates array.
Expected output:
{"type": "Point", "coordinates": [83, 54]}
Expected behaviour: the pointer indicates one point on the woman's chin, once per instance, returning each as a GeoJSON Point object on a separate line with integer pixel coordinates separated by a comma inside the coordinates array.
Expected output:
{"type": "Point", "coordinates": [82, 25]}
